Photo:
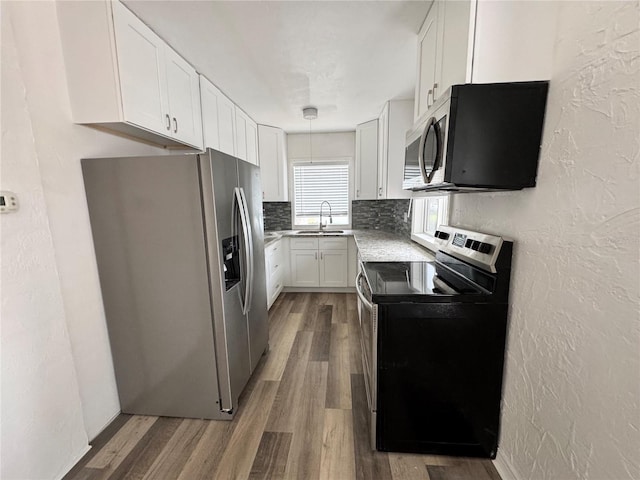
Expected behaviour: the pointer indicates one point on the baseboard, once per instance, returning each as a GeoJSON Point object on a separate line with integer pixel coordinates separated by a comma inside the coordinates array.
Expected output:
{"type": "Point", "coordinates": [320, 289]}
{"type": "Point", "coordinates": [505, 468]}
{"type": "Point", "coordinates": [73, 463]}
{"type": "Point", "coordinates": [105, 426]}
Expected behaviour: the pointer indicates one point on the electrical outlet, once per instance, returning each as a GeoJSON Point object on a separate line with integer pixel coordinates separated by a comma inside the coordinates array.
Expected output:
{"type": "Point", "coordinates": [8, 202]}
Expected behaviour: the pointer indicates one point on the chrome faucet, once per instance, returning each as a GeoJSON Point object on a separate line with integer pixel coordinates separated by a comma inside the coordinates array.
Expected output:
{"type": "Point", "coordinates": [330, 217]}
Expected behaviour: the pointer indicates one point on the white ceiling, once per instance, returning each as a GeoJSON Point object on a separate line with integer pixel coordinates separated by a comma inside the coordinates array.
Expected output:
{"type": "Point", "coordinates": [274, 57]}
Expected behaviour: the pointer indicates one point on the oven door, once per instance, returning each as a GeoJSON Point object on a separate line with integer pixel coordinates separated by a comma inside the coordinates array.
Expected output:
{"type": "Point", "coordinates": [368, 313]}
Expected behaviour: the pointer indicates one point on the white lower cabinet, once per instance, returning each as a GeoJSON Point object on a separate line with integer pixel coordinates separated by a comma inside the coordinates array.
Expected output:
{"type": "Point", "coordinates": [318, 262]}
{"type": "Point", "coordinates": [304, 268]}
{"type": "Point", "coordinates": [275, 269]}
{"type": "Point", "coordinates": [333, 268]}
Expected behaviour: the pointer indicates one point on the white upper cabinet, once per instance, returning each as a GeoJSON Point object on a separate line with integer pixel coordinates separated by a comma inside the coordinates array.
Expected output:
{"type": "Point", "coordinates": [252, 143]}
{"type": "Point", "coordinates": [246, 138]}
{"type": "Point", "coordinates": [183, 87]}
{"type": "Point", "coordinates": [123, 77]}
{"type": "Point", "coordinates": [218, 118]}
{"type": "Point", "coordinates": [383, 139]}
{"type": "Point", "coordinates": [142, 72]}
{"type": "Point", "coordinates": [273, 163]}
{"type": "Point", "coordinates": [429, 58]}
{"type": "Point", "coordinates": [482, 41]}
{"type": "Point", "coordinates": [394, 121]}
{"type": "Point", "coordinates": [367, 161]}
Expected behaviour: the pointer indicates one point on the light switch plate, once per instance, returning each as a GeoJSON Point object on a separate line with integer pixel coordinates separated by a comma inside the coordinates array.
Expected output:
{"type": "Point", "coordinates": [8, 202]}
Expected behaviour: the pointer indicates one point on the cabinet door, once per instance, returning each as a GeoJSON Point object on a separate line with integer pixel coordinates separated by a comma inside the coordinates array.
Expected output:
{"type": "Point", "coordinates": [383, 151]}
{"type": "Point", "coordinates": [399, 122]}
{"type": "Point", "coordinates": [241, 135]}
{"type": "Point", "coordinates": [367, 160]}
{"type": "Point", "coordinates": [141, 66]}
{"type": "Point", "coordinates": [273, 164]}
{"type": "Point", "coordinates": [227, 125]}
{"type": "Point", "coordinates": [183, 88]}
{"type": "Point", "coordinates": [252, 142]}
{"type": "Point", "coordinates": [333, 268]}
{"type": "Point", "coordinates": [455, 50]}
{"type": "Point", "coordinates": [427, 61]}
{"type": "Point", "coordinates": [209, 106]}
{"type": "Point", "coordinates": [304, 268]}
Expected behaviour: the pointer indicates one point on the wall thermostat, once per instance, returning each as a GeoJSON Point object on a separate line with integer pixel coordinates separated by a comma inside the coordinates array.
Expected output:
{"type": "Point", "coordinates": [8, 202]}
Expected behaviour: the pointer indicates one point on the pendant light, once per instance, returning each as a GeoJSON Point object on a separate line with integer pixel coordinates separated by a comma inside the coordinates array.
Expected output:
{"type": "Point", "coordinates": [310, 113]}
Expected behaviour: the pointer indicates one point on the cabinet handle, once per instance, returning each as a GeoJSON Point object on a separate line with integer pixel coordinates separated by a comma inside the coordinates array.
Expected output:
{"type": "Point", "coordinates": [175, 125]}
{"type": "Point", "coordinates": [435, 85]}
{"type": "Point", "coordinates": [357, 193]}
{"type": "Point", "coordinates": [316, 255]}
{"type": "Point", "coordinates": [276, 266]}
{"type": "Point", "coordinates": [380, 191]}
{"type": "Point", "coordinates": [429, 93]}
{"type": "Point", "coordinates": [321, 257]}
{"type": "Point", "coordinates": [168, 121]}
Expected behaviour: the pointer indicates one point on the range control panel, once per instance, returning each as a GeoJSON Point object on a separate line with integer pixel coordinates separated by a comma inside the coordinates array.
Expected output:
{"type": "Point", "coordinates": [477, 248]}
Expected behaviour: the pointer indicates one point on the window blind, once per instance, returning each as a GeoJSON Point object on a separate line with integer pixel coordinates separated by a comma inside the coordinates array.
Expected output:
{"type": "Point", "coordinates": [312, 184]}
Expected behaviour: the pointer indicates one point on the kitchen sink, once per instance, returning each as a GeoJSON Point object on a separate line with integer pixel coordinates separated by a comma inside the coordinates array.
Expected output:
{"type": "Point", "coordinates": [319, 232]}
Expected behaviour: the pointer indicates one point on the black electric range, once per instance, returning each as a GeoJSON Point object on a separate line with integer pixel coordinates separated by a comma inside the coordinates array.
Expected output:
{"type": "Point", "coordinates": [433, 341]}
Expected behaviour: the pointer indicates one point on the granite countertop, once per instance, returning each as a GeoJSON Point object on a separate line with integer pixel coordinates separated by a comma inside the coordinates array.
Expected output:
{"type": "Point", "coordinates": [373, 245]}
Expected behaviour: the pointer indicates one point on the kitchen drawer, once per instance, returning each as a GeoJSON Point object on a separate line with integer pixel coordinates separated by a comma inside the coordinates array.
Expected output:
{"type": "Point", "coordinates": [334, 243]}
{"type": "Point", "coordinates": [304, 243]}
{"type": "Point", "coordinates": [274, 256]}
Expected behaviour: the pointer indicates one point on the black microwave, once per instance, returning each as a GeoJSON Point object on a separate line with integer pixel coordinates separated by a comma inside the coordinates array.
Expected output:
{"type": "Point", "coordinates": [478, 137]}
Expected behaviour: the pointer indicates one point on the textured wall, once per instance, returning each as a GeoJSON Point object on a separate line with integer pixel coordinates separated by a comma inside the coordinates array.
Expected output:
{"type": "Point", "coordinates": [572, 386]}
{"type": "Point", "coordinates": [277, 216]}
{"type": "Point", "coordinates": [43, 432]}
{"type": "Point", "coordinates": [59, 145]}
{"type": "Point", "coordinates": [387, 215]}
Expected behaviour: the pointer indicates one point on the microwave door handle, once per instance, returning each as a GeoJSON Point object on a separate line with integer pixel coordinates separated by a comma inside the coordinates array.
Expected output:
{"type": "Point", "coordinates": [423, 139]}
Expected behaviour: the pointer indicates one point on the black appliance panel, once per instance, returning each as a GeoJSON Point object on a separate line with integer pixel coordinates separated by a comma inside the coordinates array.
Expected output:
{"type": "Point", "coordinates": [495, 133]}
{"type": "Point", "coordinates": [231, 256]}
{"type": "Point", "coordinates": [439, 377]}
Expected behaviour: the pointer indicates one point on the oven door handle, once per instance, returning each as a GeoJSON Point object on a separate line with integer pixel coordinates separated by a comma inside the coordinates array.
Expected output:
{"type": "Point", "coordinates": [361, 295]}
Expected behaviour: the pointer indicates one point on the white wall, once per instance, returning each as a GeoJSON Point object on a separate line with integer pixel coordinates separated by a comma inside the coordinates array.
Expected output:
{"type": "Point", "coordinates": [323, 145]}
{"type": "Point", "coordinates": [42, 428]}
{"type": "Point", "coordinates": [51, 303]}
{"type": "Point", "coordinates": [572, 387]}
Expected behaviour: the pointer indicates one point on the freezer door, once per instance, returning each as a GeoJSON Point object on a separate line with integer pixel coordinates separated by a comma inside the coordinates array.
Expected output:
{"type": "Point", "coordinates": [257, 317]}
{"type": "Point", "coordinates": [147, 223]}
{"type": "Point", "coordinates": [219, 176]}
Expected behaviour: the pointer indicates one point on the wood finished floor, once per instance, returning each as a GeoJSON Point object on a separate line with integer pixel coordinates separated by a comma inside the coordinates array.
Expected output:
{"type": "Point", "coordinates": [302, 416]}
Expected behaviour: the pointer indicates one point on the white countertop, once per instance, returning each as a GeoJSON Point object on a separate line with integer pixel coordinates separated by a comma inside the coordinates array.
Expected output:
{"type": "Point", "coordinates": [373, 245]}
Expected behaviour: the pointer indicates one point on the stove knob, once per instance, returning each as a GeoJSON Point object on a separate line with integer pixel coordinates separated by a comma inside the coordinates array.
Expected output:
{"type": "Point", "coordinates": [484, 247]}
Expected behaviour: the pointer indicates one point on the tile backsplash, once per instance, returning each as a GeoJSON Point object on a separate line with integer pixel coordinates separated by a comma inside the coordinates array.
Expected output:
{"type": "Point", "coordinates": [386, 215]}
{"type": "Point", "coordinates": [277, 215]}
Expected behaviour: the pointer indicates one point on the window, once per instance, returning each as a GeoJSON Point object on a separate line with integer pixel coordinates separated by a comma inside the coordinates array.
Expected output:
{"type": "Point", "coordinates": [316, 182]}
{"type": "Point", "coordinates": [428, 214]}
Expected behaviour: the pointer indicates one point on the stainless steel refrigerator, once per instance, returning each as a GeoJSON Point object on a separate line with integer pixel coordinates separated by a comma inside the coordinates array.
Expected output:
{"type": "Point", "coordinates": [179, 244]}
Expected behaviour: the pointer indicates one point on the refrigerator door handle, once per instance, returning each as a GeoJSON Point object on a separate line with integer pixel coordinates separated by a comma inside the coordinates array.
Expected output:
{"type": "Point", "coordinates": [239, 200]}
{"type": "Point", "coordinates": [249, 243]}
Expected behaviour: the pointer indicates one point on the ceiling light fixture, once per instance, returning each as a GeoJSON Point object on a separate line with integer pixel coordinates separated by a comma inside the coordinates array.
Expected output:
{"type": "Point", "coordinates": [310, 113]}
